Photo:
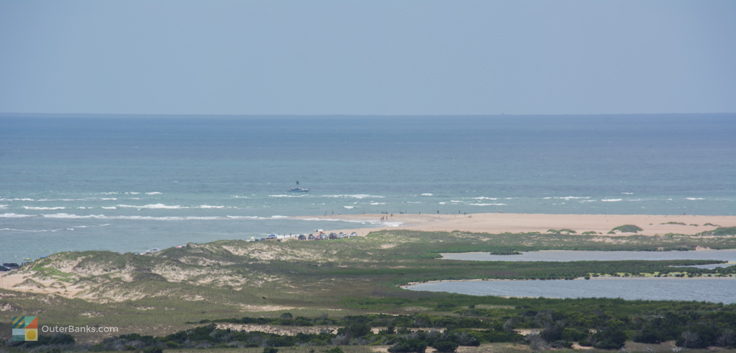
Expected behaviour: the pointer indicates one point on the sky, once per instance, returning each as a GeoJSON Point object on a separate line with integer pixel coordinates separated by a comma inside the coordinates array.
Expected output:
{"type": "Point", "coordinates": [367, 57]}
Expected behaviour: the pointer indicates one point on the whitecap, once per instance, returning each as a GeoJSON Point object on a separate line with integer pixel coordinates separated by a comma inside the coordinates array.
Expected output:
{"type": "Point", "coordinates": [611, 200]}
{"type": "Point", "coordinates": [16, 199]}
{"type": "Point", "coordinates": [109, 198]}
{"type": "Point", "coordinates": [135, 218]}
{"type": "Point", "coordinates": [485, 198]}
{"type": "Point", "coordinates": [348, 207]}
{"type": "Point", "coordinates": [14, 215]}
{"type": "Point", "coordinates": [355, 196]}
{"type": "Point", "coordinates": [360, 221]}
{"type": "Point", "coordinates": [152, 206]}
{"type": "Point", "coordinates": [694, 198]}
{"type": "Point", "coordinates": [29, 230]}
{"type": "Point", "coordinates": [2, 207]}
{"type": "Point", "coordinates": [211, 206]}
{"type": "Point", "coordinates": [567, 198]}
{"type": "Point", "coordinates": [66, 199]}
{"type": "Point", "coordinates": [109, 208]}
{"type": "Point", "coordinates": [153, 193]}
{"type": "Point", "coordinates": [487, 204]}
{"type": "Point", "coordinates": [442, 203]}
{"type": "Point", "coordinates": [374, 203]}
{"type": "Point", "coordinates": [627, 193]}
{"type": "Point", "coordinates": [427, 194]}
{"type": "Point", "coordinates": [43, 208]}
{"type": "Point", "coordinates": [285, 196]}
{"type": "Point", "coordinates": [455, 201]}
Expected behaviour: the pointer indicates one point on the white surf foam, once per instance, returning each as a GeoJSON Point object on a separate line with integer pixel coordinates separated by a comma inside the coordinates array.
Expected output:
{"type": "Point", "coordinates": [694, 198]}
{"type": "Point", "coordinates": [44, 208]}
{"type": "Point", "coordinates": [355, 196]}
{"type": "Point", "coordinates": [29, 230]}
{"type": "Point", "coordinates": [611, 200]}
{"type": "Point", "coordinates": [567, 198]}
{"type": "Point", "coordinates": [485, 198]}
{"type": "Point", "coordinates": [153, 206]}
{"type": "Point", "coordinates": [426, 194]}
{"type": "Point", "coordinates": [14, 215]}
{"type": "Point", "coordinates": [153, 193]}
{"type": "Point", "coordinates": [487, 204]}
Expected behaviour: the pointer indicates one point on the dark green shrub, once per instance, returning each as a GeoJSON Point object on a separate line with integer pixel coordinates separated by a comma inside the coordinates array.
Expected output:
{"type": "Point", "coordinates": [410, 345]}
{"type": "Point", "coordinates": [445, 346]}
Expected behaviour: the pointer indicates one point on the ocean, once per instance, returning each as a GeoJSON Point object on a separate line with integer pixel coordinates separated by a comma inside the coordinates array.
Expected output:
{"type": "Point", "coordinates": [131, 183]}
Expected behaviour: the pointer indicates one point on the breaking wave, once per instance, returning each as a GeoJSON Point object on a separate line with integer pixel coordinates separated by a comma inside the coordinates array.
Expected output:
{"type": "Point", "coordinates": [152, 206]}
{"type": "Point", "coordinates": [14, 215]}
{"type": "Point", "coordinates": [44, 208]}
{"type": "Point", "coordinates": [355, 196]}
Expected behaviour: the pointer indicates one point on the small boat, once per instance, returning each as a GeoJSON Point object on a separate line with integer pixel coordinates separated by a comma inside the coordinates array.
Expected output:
{"type": "Point", "coordinates": [298, 188]}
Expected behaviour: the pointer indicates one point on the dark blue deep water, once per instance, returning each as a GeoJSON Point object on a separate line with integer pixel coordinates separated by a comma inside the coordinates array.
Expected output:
{"type": "Point", "coordinates": [129, 183]}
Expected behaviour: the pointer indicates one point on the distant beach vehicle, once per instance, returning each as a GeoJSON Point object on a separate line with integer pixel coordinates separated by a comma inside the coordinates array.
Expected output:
{"type": "Point", "coordinates": [298, 188]}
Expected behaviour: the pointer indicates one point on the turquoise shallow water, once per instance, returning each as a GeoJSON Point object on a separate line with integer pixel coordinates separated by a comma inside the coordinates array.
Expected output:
{"type": "Point", "coordinates": [132, 183]}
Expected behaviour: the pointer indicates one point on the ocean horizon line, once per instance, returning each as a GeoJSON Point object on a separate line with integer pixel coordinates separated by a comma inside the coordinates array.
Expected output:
{"type": "Point", "coordinates": [355, 115]}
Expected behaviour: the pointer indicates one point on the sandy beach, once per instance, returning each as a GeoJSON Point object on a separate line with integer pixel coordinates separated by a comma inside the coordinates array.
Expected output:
{"type": "Point", "coordinates": [527, 222]}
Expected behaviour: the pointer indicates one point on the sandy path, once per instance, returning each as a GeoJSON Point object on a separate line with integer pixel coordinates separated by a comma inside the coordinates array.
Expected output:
{"type": "Point", "coordinates": [526, 222]}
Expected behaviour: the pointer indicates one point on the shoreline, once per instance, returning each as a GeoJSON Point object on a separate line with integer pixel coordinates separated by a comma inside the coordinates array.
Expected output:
{"type": "Point", "coordinates": [534, 222]}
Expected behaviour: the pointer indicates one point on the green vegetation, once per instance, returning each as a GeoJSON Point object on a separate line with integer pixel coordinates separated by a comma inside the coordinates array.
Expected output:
{"type": "Point", "coordinates": [561, 231]}
{"type": "Point", "coordinates": [626, 228]}
{"type": "Point", "coordinates": [505, 252]}
{"type": "Point", "coordinates": [344, 283]}
{"type": "Point", "coordinates": [721, 231]}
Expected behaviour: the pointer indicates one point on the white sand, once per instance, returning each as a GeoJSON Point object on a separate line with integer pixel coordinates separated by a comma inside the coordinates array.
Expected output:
{"type": "Point", "coordinates": [527, 222]}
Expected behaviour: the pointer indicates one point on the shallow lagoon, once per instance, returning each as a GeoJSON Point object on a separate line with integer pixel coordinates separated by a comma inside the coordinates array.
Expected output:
{"type": "Point", "coordinates": [719, 290]}
{"type": "Point", "coordinates": [585, 255]}
{"type": "Point", "coordinates": [722, 290]}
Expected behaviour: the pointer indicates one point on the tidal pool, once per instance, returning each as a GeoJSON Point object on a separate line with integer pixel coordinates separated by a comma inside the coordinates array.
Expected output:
{"type": "Point", "coordinates": [718, 290]}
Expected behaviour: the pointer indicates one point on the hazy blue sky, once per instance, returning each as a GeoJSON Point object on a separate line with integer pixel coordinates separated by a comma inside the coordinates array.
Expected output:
{"type": "Point", "coordinates": [367, 57]}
